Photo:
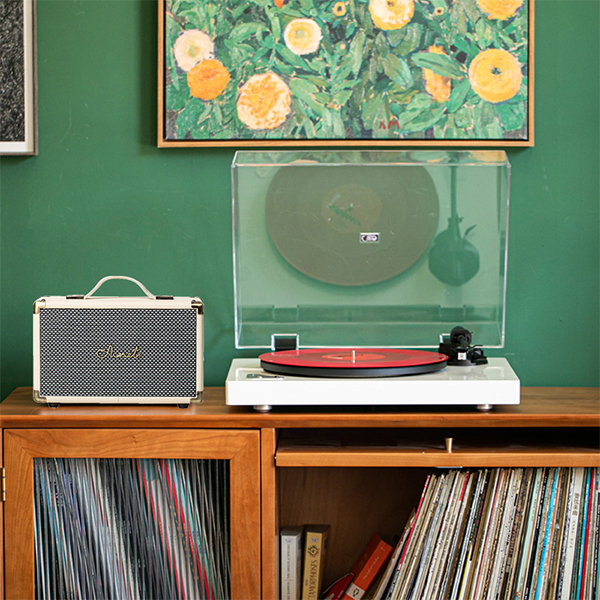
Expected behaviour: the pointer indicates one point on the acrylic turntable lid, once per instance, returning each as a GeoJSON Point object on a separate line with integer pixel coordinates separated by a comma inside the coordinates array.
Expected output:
{"type": "Point", "coordinates": [369, 248]}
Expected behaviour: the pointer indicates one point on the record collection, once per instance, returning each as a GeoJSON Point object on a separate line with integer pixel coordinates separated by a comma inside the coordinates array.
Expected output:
{"type": "Point", "coordinates": [131, 528]}
{"type": "Point", "coordinates": [526, 533]}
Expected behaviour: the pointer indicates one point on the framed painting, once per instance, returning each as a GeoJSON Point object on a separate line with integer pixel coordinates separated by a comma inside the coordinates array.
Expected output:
{"type": "Point", "coordinates": [18, 134]}
{"type": "Point", "coordinates": [353, 72]}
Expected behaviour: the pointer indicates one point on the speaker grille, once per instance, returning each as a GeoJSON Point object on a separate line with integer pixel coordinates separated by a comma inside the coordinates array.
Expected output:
{"type": "Point", "coordinates": [118, 352]}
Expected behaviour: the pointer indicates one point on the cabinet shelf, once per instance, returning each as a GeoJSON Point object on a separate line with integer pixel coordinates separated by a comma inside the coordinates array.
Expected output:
{"type": "Point", "coordinates": [387, 457]}
{"type": "Point", "coordinates": [360, 470]}
{"type": "Point", "coordinates": [428, 448]}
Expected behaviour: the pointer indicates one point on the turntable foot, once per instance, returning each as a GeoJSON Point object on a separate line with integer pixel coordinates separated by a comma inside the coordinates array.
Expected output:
{"type": "Point", "coordinates": [263, 408]}
{"type": "Point", "coordinates": [484, 407]}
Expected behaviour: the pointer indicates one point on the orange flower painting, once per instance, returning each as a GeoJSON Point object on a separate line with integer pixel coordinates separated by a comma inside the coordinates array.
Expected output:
{"type": "Point", "coordinates": [264, 101]}
{"type": "Point", "coordinates": [495, 75]}
{"type": "Point", "coordinates": [394, 71]}
{"type": "Point", "coordinates": [208, 79]}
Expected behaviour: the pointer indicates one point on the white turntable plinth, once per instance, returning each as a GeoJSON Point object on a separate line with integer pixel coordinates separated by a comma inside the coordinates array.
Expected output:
{"type": "Point", "coordinates": [482, 386]}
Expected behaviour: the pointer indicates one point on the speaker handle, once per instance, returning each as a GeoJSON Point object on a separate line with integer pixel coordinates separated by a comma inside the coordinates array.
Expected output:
{"type": "Point", "coordinates": [105, 279]}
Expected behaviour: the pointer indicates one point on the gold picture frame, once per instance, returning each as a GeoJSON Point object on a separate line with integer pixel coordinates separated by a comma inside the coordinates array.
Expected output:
{"type": "Point", "coordinates": [287, 73]}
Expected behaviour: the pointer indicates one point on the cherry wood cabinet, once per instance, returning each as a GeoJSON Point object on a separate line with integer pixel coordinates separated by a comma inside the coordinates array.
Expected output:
{"type": "Point", "coordinates": [360, 469]}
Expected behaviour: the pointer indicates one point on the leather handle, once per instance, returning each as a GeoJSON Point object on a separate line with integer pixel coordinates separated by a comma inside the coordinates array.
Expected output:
{"type": "Point", "coordinates": [105, 279]}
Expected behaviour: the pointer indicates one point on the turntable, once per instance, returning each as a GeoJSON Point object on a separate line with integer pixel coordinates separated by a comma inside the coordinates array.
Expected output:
{"type": "Point", "coordinates": [368, 275]}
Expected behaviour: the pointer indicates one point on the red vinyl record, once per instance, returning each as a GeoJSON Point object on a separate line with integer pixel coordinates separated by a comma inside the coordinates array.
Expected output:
{"type": "Point", "coordinates": [349, 362]}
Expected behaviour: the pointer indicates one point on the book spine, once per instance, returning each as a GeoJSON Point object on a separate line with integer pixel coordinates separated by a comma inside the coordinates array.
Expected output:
{"type": "Point", "coordinates": [313, 564]}
{"type": "Point", "coordinates": [291, 558]}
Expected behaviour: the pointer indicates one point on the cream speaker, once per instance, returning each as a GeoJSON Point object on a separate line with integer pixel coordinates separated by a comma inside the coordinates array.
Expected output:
{"type": "Point", "coordinates": [143, 349]}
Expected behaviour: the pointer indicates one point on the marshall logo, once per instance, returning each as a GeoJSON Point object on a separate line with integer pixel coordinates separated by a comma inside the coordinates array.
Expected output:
{"type": "Point", "coordinates": [109, 352]}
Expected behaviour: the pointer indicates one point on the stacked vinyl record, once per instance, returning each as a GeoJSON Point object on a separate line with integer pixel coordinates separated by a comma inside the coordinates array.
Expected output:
{"type": "Point", "coordinates": [119, 528]}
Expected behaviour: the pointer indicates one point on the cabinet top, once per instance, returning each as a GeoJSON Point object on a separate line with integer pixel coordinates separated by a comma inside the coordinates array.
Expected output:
{"type": "Point", "coordinates": [539, 407]}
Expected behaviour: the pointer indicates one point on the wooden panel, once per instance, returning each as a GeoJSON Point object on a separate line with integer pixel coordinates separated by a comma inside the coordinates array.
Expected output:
{"type": "Point", "coordinates": [539, 407]}
{"type": "Point", "coordinates": [269, 515]}
{"type": "Point", "coordinates": [482, 457]}
{"type": "Point", "coordinates": [1, 527]}
{"type": "Point", "coordinates": [240, 448]}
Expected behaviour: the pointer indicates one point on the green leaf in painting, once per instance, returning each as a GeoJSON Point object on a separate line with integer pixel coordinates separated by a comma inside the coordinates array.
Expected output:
{"type": "Point", "coordinates": [369, 110]}
{"type": "Point", "coordinates": [484, 33]}
{"type": "Point", "coordinates": [382, 45]}
{"type": "Point", "coordinates": [192, 116]}
{"type": "Point", "coordinates": [283, 68]}
{"type": "Point", "coordinates": [486, 121]}
{"type": "Point", "coordinates": [340, 98]}
{"type": "Point", "coordinates": [305, 92]}
{"type": "Point", "coordinates": [413, 33]}
{"type": "Point", "coordinates": [398, 71]}
{"type": "Point", "coordinates": [338, 128]}
{"type": "Point", "coordinates": [356, 51]}
{"type": "Point", "coordinates": [176, 97]}
{"type": "Point", "coordinates": [463, 117]}
{"type": "Point", "coordinates": [439, 63]}
{"type": "Point", "coordinates": [275, 26]}
{"type": "Point", "coordinates": [240, 53]}
{"type": "Point", "coordinates": [381, 121]}
{"type": "Point", "coordinates": [425, 120]}
{"type": "Point", "coordinates": [243, 31]}
{"type": "Point", "coordinates": [292, 58]}
{"type": "Point", "coordinates": [458, 95]}
{"type": "Point", "coordinates": [511, 115]}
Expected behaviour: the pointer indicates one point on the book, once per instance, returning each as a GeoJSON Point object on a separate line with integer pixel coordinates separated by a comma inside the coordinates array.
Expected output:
{"type": "Point", "coordinates": [315, 542]}
{"type": "Point", "coordinates": [336, 590]}
{"type": "Point", "coordinates": [290, 552]}
{"type": "Point", "coordinates": [372, 560]}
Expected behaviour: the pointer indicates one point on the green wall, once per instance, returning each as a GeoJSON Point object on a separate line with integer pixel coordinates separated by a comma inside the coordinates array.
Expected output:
{"type": "Point", "coordinates": [102, 199]}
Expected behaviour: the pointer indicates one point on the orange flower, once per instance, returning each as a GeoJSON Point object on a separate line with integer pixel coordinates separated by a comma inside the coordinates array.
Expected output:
{"type": "Point", "coordinates": [437, 86]}
{"type": "Point", "coordinates": [391, 14]}
{"type": "Point", "coordinates": [499, 9]}
{"type": "Point", "coordinates": [264, 101]}
{"type": "Point", "coordinates": [208, 79]}
{"type": "Point", "coordinates": [495, 75]}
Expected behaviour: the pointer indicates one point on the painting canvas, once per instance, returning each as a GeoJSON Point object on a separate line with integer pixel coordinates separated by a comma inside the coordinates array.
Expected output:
{"type": "Point", "coordinates": [377, 72]}
{"type": "Point", "coordinates": [17, 79]}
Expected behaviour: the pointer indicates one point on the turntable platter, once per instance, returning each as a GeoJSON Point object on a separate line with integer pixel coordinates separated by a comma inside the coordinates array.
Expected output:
{"type": "Point", "coordinates": [348, 362]}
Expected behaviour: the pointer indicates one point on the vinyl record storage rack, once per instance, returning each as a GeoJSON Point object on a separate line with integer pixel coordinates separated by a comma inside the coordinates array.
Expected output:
{"type": "Point", "coordinates": [133, 478]}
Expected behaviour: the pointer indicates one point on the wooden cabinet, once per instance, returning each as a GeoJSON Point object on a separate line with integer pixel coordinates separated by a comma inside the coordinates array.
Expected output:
{"type": "Point", "coordinates": [47, 432]}
{"type": "Point", "coordinates": [360, 470]}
